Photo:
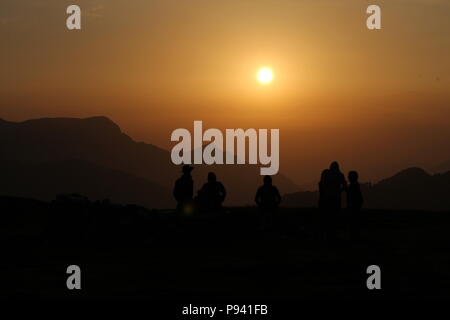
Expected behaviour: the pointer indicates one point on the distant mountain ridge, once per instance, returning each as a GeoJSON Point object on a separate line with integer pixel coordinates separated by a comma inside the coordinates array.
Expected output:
{"type": "Point", "coordinates": [45, 180]}
{"type": "Point", "coordinates": [412, 188]}
{"type": "Point", "coordinates": [441, 167]}
{"type": "Point", "coordinates": [97, 145]}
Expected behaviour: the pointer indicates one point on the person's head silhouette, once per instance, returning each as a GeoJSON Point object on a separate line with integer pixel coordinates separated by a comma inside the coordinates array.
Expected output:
{"type": "Point", "coordinates": [212, 177]}
{"type": "Point", "coordinates": [267, 180]}
{"type": "Point", "coordinates": [334, 166]}
{"type": "Point", "coordinates": [324, 175]}
{"type": "Point", "coordinates": [353, 177]}
{"type": "Point", "coordinates": [187, 169]}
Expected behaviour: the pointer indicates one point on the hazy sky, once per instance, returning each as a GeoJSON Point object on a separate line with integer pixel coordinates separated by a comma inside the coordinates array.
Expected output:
{"type": "Point", "coordinates": [377, 101]}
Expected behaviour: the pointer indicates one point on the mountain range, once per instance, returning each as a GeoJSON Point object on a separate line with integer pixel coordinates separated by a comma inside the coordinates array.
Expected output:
{"type": "Point", "coordinates": [92, 156]}
{"type": "Point", "coordinates": [44, 157]}
{"type": "Point", "coordinates": [441, 167]}
{"type": "Point", "coordinates": [411, 188]}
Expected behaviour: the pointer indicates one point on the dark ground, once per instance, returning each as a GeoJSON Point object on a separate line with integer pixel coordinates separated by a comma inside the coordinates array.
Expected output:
{"type": "Point", "coordinates": [133, 253]}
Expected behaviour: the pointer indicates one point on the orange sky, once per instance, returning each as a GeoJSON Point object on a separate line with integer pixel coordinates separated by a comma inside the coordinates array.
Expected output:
{"type": "Point", "coordinates": [378, 101]}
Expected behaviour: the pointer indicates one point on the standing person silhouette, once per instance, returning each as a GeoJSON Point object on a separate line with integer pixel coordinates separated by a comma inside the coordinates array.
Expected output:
{"type": "Point", "coordinates": [184, 190]}
{"type": "Point", "coordinates": [354, 203]}
{"type": "Point", "coordinates": [332, 186]}
{"type": "Point", "coordinates": [212, 194]}
{"type": "Point", "coordinates": [267, 199]}
{"type": "Point", "coordinates": [337, 184]}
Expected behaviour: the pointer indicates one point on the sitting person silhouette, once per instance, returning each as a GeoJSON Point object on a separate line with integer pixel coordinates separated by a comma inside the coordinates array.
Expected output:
{"type": "Point", "coordinates": [212, 194]}
{"type": "Point", "coordinates": [184, 190]}
{"type": "Point", "coordinates": [267, 199]}
{"type": "Point", "coordinates": [354, 203]}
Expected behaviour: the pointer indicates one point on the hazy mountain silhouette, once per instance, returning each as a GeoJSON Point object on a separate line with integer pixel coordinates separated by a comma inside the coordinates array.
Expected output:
{"type": "Point", "coordinates": [412, 188]}
{"type": "Point", "coordinates": [100, 146]}
{"type": "Point", "coordinates": [441, 167]}
{"type": "Point", "coordinates": [45, 180]}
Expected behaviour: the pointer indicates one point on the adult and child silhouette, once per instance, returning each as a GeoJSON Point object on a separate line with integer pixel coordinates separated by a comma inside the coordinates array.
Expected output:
{"type": "Point", "coordinates": [331, 186]}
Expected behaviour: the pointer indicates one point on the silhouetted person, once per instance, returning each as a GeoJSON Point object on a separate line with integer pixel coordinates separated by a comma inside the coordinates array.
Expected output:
{"type": "Point", "coordinates": [184, 190]}
{"type": "Point", "coordinates": [331, 185]}
{"type": "Point", "coordinates": [354, 203]}
{"type": "Point", "coordinates": [336, 183]}
{"type": "Point", "coordinates": [267, 199]}
{"type": "Point", "coordinates": [212, 194]}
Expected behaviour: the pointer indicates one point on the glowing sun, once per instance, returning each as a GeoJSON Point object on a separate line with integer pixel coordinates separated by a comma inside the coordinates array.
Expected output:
{"type": "Point", "coordinates": [265, 75]}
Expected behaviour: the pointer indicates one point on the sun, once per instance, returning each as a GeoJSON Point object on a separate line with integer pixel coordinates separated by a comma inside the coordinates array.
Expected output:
{"type": "Point", "coordinates": [265, 75]}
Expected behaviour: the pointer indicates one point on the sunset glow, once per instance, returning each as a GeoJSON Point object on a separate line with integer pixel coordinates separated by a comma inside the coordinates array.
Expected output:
{"type": "Point", "coordinates": [334, 88]}
{"type": "Point", "coordinates": [265, 75]}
